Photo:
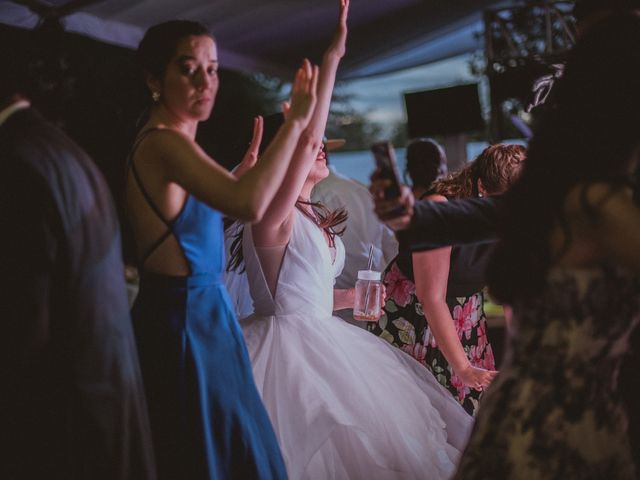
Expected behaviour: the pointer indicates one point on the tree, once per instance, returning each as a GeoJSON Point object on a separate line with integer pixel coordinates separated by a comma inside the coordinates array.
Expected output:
{"type": "Point", "coordinates": [351, 124]}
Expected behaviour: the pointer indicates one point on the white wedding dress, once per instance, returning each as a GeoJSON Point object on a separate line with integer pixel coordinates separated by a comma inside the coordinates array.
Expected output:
{"type": "Point", "coordinates": [344, 403]}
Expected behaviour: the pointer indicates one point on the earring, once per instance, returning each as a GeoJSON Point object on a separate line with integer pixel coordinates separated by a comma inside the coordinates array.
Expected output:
{"type": "Point", "coordinates": [480, 195]}
{"type": "Point", "coordinates": [155, 96]}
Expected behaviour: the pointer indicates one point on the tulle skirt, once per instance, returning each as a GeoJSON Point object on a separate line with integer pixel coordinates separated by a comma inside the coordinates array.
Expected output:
{"type": "Point", "coordinates": [347, 405]}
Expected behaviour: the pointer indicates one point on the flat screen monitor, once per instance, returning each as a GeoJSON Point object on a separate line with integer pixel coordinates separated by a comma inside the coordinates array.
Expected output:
{"type": "Point", "coordinates": [443, 111]}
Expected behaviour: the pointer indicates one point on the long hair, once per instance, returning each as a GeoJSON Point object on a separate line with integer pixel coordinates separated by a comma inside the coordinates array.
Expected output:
{"type": "Point", "coordinates": [331, 221]}
{"type": "Point", "coordinates": [497, 167]}
{"type": "Point", "coordinates": [588, 137]}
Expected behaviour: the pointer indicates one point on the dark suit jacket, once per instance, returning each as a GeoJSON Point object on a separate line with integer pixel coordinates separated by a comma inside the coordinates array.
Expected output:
{"type": "Point", "coordinates": [71, 397]}
{"type": "Point", "coordinates": [457, 222]}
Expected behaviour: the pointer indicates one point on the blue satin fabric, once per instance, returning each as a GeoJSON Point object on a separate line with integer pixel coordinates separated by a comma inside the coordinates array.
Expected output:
{"type": "Point", "coordinates": [207, 419]}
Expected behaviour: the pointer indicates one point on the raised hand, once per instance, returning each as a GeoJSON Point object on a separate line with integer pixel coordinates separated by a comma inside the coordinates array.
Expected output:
{"type": "Point", "coordinates": [395, 213]}
{"type": "Point", "coordinates": [338, 43]}
{"type": "Point", "coordinates": [303, 93]}
{"type": "Point", "coordinates": [251, 156]}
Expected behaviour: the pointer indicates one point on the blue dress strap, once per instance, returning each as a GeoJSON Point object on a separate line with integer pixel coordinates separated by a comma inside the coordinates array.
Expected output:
{"type": "Point", "coordinates": [131, 164]}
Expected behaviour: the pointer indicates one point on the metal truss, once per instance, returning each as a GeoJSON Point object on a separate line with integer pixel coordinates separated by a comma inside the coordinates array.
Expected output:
{"type": "Point", "coordinates": [521, 44]}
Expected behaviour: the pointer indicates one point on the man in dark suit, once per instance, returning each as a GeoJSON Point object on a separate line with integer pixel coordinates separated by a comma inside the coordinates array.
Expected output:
{"type": "Point", "coordinates": [71, 396]}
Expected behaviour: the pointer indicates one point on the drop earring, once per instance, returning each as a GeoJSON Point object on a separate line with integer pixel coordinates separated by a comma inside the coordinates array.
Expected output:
{"type": "Point", "coordinates": [155, 96]}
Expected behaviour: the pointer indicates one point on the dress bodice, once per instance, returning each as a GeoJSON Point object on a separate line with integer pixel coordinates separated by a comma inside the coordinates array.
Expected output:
{"type": "Point", "coordinates": [199, 231]}
{"type": "Point", "coordinates": [197, 228]}
{"type": "Point", "coordinates": [307, 267]}
{"type": "Point", "coordinates": [582, 320]}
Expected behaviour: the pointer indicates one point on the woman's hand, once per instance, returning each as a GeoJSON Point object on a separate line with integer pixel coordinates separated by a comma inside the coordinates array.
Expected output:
{"type": "Point", "coordinates": [343, 298]}
{"type": "Point", "coordinates": [338, 45]}
{"type": "Point", "coordinates": [303, 94]}
{"type": "Point", "coordinates": [395, 213]}
{"type": "Point", "coordinates": [508, 316]}
{"type": "Point", "coordinates": [476, 378]}
{"type": "Point", "coordinates": [383, 297]}
{"type": "Point", "coordinates": [251, 157]}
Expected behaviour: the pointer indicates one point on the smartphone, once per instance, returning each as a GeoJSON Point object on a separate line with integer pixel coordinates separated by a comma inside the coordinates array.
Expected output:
{"type": "Point", "coordinates": [385, 157]}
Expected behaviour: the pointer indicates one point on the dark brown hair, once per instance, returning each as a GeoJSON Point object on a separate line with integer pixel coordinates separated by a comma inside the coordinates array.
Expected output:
{"type": "Point", "coordinates": [425, 162]}
{"type": "Point", "coordinates": [159, 44]}
{"type": "Point", "coordinates": [497, 166]}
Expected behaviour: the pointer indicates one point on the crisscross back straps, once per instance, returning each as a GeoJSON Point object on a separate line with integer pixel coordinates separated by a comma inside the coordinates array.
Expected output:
{"type": "Point", "coordinates": [131, 164]}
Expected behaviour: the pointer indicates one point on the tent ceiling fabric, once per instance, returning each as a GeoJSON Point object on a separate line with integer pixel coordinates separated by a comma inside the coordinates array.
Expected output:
{"type": "Point", "coordinates": [273, 36]}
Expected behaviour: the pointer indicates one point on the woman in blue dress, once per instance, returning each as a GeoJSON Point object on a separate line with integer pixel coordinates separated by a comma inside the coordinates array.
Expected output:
{"type": "Point", "coordinates": [206, 415]}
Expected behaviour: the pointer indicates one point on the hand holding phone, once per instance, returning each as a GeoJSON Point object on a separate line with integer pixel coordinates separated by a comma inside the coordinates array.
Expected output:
{"type": "Point", "coordinates": [385, 158]}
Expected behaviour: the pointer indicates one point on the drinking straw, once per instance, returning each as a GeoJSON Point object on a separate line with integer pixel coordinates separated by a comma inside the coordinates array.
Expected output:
{"type": "Point", "coordinates": [369, 265]}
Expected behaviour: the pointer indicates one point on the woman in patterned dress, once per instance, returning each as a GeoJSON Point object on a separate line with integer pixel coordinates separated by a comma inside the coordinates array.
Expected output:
{"type": "Point", "coordinates": [434, 308]}
{"type": "Point", "coordinates": [568, 263]}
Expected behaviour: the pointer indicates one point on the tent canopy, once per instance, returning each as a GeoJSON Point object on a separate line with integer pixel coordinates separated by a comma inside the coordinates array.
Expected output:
{"type": "Point", "coordinates": [273, 36]}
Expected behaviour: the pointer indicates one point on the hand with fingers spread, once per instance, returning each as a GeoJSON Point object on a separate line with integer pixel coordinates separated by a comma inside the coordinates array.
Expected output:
{"type": "Point", "coordinates": [303, 94]}
{"type": "Point", "coordinates": [251, 156]}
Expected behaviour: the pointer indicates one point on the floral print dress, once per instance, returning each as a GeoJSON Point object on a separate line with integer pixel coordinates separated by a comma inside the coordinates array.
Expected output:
{"type": "Point", "coordinates": [554, 411]}
{"type": "Point", "coordinates": [405, 326]}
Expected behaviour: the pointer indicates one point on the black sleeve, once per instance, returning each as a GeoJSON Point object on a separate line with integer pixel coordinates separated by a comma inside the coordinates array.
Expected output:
{"type": "Point", "coordinates": [457, 222]}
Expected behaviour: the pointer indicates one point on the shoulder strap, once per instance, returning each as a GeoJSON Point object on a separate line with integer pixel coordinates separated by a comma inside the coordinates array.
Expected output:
{"type": "Point", "coordinates": [131, 164]}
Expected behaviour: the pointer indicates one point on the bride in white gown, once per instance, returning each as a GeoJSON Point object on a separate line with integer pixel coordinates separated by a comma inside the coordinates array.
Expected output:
{"type": "Point", "coordinates": [344, 403]}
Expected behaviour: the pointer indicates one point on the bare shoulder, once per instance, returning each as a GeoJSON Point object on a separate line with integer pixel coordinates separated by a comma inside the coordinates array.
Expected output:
{"type": "Point", "coordinates": [436, 197]}
{"type": "Point", "coordinates": [167, 143]}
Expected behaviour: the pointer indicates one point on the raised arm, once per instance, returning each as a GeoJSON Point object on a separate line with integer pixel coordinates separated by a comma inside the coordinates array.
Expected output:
{"type": "Point", "coordinates": [186, 164]}
{"type": "Point", "coordinates": [270, 230]}
{"type": "Point", "coordinates": [426, 225]}
{"type": "Point", "coordinates": [458, 222]}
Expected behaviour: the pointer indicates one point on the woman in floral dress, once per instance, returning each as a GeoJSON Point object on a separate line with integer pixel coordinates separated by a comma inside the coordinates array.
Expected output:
{"type": "Point", "coordinates": [568, 264]}
{"type": "Point", "coordinates": [434, 308]}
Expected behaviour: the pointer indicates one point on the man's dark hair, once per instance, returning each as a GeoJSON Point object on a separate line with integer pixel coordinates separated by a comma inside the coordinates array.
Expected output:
{"type": "Point", "coordinates": [39, 67]}
{"type": "Point", "coordinates": [425, 158]}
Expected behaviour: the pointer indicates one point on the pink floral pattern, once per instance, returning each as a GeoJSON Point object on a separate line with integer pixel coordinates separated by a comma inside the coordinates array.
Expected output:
{"type": "Point", "coordinates": [417, 351]}
{"type": "Point", "coordinates": [399, 288]}
{"type": "Point", "coordinates": [407, 328]}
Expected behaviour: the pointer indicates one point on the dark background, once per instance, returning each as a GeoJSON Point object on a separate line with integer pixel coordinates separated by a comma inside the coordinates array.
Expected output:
{"type": "Point", "coordinates": [95, 92]}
